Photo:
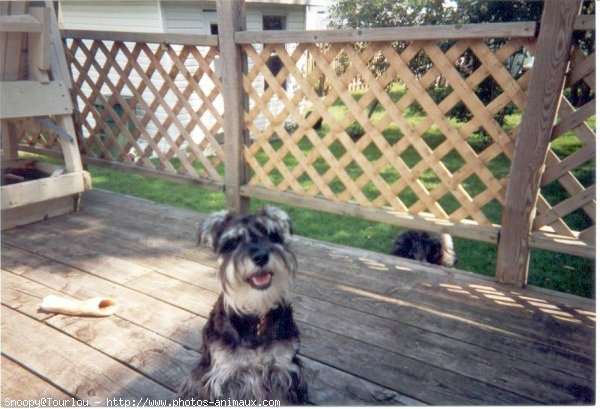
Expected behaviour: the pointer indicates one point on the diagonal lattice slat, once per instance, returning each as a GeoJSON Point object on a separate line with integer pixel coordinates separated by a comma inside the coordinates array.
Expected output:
{"type": "Point", "coordinates": [148, 106]}
{"type": "Point", "coordinates": [564, 182]}
{"type": "Point", "coordinates": [353, 169]}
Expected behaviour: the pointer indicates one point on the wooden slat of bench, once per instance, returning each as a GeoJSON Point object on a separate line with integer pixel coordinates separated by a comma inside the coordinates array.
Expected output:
{"type": "Point", "coordinates": [20, 23]}
{"type": "Point", "coordinates": [20, 216]}
{"type": "Point", "coordinates": [70, 364]}
{"type": "Point", "coordinates": [34, 191]}
{"type": "Point", "coordinates": [183, 327]}
{"type": "Point", "coordinates": [30, 98]}
{"type": "Point", "coordinates": [20, 384]}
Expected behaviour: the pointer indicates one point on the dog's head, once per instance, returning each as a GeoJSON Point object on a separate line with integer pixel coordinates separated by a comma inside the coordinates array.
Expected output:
{"type": "Point", "coordinates": [256, 265]}
{"type": "Point", "coordinates": [426, 246]}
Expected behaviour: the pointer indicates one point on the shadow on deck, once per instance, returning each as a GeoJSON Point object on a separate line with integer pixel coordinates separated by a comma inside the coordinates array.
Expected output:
{"type": "Point", "coordinates": [376, 329]}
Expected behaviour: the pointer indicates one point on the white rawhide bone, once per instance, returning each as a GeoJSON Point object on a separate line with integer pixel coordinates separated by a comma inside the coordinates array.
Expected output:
{"type": "Point", "coordinates": [95, 307]}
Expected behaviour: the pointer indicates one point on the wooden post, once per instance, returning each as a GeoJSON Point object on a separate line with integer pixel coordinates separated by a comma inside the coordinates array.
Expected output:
{"type": "Point", "coordinates": [533, 140]}
{"type": "Point", "coordinates": [10, 148]}
{"type": "Point", "coordinates": [232, 18]}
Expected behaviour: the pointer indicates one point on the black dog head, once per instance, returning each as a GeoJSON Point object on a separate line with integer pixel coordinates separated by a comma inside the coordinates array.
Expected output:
{"type": "Point", "coordinates": [432, 248]}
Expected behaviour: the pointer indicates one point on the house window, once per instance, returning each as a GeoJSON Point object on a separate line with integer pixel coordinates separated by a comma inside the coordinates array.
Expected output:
{"type": "Point", "coordinates": [274, 62]}
{"type": "Point", "coordinates": [214, 29]}
{"type": "Point", "coordinates": [273, 22]}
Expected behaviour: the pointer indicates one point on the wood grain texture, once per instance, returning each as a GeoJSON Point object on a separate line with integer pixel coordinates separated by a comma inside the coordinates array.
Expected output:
{"type": "Point", "coordinates": [20, 216]}
{"type": "Point", "coordinates": [554, 46]}
{"type": "Point", "coordinates": [18, 99]}
{"type": "Point", "coordinates": [56, 356]}
{"type": "Point", "coordinates": [160, 38]}
{"type": "Point", "coordinates": [459, 31]}
{"type": "Point", "coordinates": [232, 18]}
{"type": "Point", "coordinates": [20, 23]}
{"type": "Point", "coordinates": [19, 383]}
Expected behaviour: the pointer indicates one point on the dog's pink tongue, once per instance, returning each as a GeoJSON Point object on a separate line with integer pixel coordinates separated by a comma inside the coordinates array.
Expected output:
{"type": "Point", "coordinates": [261, 278]}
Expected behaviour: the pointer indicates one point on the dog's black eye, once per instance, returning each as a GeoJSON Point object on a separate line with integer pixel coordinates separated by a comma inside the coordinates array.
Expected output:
{"type": "Point", "coordinates": [275, 237]}
{"type": "Point", "coordinates": [229, 245]}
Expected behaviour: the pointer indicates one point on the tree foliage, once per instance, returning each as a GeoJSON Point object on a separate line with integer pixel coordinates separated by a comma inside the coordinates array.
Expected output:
{"type": "Point", "coordinates": [398, 13]}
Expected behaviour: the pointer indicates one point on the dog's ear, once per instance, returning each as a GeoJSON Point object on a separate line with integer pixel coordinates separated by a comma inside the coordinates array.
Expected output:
{"type": "Point", "coordinates": [210, 230]}
{"type": "Point", "coordinates": [280, 218]}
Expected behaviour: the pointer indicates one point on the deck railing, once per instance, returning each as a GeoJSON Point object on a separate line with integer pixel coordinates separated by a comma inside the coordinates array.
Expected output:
{"type": "Point", "coordinates": [181, 108]}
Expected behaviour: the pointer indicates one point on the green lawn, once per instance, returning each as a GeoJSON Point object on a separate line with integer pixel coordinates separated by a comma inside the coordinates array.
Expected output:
{"type": "Point", "coordinates": [551, 270]}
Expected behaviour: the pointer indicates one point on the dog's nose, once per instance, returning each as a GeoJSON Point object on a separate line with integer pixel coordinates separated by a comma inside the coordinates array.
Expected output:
{"type": "Point", "coordinates": [260, 258]}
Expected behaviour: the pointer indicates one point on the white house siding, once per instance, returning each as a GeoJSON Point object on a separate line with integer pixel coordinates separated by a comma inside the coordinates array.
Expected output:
{"type": "Point", "coordinates": [134, 16]}
{"type": "Point", "coordinates": [317, 14]}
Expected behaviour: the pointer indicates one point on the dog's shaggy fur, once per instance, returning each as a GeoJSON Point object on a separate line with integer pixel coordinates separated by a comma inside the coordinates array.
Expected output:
{"type": "Point", "coordinates": [432, 248]}
{"type": "Point", "coordinates": [250, 342]}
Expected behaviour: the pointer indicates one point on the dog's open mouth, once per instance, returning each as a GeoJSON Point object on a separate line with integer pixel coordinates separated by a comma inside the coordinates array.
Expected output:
{"type": "Point", "coordinates": [260, 280]}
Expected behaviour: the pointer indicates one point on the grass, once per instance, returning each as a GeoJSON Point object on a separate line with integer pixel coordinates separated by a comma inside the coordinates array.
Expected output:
{"type": "Point", "coordinates": [547, 269]}
{"type": "Point", "coordinates": [560, 272]}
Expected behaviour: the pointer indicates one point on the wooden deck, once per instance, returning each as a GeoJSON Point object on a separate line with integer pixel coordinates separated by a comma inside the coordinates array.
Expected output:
{"type": "Point", "coordinates": [375, 329]}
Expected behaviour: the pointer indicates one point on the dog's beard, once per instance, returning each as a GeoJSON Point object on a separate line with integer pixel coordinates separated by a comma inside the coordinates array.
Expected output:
{"type": "Point", "coordinates": [245, 289]}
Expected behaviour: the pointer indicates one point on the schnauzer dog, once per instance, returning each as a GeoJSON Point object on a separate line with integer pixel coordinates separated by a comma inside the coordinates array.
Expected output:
{"type": "Point", "coordinates": [250, 342]}
{"type": "Point", "coordinates": [433, 248]}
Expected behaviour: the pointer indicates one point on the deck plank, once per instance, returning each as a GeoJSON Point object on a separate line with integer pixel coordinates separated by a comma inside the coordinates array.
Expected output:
{"type": "Point", "coordinates": [164, 319]}
{"type": "Point", "coordinates": [156, 357]}
{"type": "Point", "coordinates": [20, 384]}
{"type": "Point", "coordinates": [379, 328]}
{"type": "Point", "coordinates": [73, 366]}
{"type": "Point", "coordinates": [24, 295]}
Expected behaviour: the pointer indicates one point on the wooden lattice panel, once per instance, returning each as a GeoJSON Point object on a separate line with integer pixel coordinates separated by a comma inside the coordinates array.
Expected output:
{"type": "Point", "coordinates": [448, 180]}
{"type": "Point", "coordinates": [150, 106]}
{"type": "Point", "coordinates": [567, 202]}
